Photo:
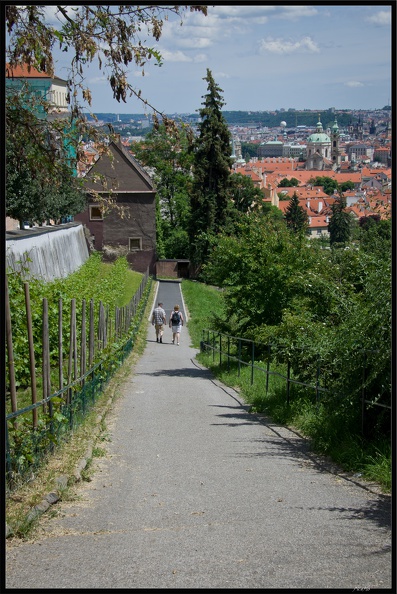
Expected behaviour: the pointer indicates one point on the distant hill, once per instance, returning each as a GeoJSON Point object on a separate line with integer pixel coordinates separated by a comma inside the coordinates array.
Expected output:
{"type": "Point", "coordinates": [256, 119]}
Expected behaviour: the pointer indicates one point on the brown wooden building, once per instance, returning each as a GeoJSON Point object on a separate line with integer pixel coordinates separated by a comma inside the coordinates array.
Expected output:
{"type": "Point", "coordinates": [133, 235]}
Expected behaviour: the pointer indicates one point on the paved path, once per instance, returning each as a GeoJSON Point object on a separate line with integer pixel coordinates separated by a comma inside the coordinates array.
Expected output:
{"type": "Point", "coordinates": [197, 493]}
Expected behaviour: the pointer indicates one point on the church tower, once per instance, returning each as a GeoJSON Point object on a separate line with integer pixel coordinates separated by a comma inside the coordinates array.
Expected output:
{"type": "Point", "coordinates": [318, 147]}
{"type": "Point", "coordinates": [335, 150]}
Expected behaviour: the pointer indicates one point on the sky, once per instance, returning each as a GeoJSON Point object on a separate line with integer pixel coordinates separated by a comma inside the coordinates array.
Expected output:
{"type": "Point", "coordinates": [264, 57]}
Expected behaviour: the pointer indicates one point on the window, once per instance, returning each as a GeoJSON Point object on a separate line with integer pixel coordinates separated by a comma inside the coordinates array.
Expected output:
{"type": "Point", "coordinates": [135, 244]}
{"type": "Point", "coordinates": [95, 213]}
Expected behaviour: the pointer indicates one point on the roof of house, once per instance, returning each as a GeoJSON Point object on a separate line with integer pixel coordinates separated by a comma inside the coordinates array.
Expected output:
{"type": "Point", "coordinates": [23, 71]}
{"type": "Point", "coordinates": [122, 172]}
{"type": "Point", "coordinates": [313, 208]}
{"type": "Point", "coordinates": [304, 192]}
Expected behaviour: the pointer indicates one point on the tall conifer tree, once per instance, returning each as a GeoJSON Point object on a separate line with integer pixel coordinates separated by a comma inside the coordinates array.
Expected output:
{"type": "Point", "coordinates": [210, 201]}
{"type": "Point", "coordinates": [340, 224]}
{"type": "Point", "coordinates": [295, 216]}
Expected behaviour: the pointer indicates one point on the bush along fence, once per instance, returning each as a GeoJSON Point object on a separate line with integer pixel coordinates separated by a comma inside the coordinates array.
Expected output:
{"type": "Point", "coordinates": [79, 359]}
{"type": "Point", "coordinates": [365, 396]}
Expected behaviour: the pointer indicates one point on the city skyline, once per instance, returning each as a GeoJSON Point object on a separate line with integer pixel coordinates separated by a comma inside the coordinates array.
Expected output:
{"type": "Point", "coordinates": [264, 58]}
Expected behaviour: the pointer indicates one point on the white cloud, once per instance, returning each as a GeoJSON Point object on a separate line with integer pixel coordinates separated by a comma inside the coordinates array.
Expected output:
{"type": "Point", "coordinates": [177, 56]}
{"type": "Point", "coordinates": [261, 14]}
{"type": "Point", "coordinates": [353, 84]}
{"type": "Point", "coordinates": [296, 12]}
{"type": "Point", "coordinates": [282, 46]}
{"type": "Point", "coordinates": [221, 75]}
{"type": "Point", "coordinates": [383, 17]}
{"type": "Point", "coordinates": [198, 58]}
{"type": "Point", "coordinates": [98, 80]}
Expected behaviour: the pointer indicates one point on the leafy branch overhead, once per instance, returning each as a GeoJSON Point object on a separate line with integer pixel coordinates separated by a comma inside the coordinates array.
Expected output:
{"type": "Point", "coordinates": [115, 36]}
{"type": "Point", "coordinates": [40, 149]}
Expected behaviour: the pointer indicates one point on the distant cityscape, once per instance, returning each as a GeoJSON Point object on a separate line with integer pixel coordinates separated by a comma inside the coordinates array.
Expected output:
{"type": "Point", "coordinates": [280, 133]}
{"type": "Point", "coordinates": [298, 146]}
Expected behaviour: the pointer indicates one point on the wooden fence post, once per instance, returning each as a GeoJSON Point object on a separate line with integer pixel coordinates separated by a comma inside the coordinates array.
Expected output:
{"type": "Point", "coordinates": [252, 362]}
{"type": "Point", "coordinates": [83, 345]}
{"type": "Point", "coordinates": [60, 341]}
{"type": "Point", "coordinates": [288, 379]}
{"type": "Point", "coordinates": [46, 359]}
{"type": "Point", "coordinates": [10, 352]}
{"type": "Point", "coordinates": [91, 340]}
{"type": "Point", "coordinates": [268, 368]}
{"type": "Point", "coordinates": [31, 353]}
{"type": "Point", "coordinates": [71, 345]}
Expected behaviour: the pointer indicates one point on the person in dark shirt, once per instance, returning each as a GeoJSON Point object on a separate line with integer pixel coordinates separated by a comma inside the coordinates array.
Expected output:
{"type": "Point", "coordinates": [176, 323]}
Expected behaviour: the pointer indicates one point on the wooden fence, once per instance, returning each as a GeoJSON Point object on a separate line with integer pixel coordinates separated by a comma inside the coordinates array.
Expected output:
{"type": "Point", "coordinates": [88, 338]}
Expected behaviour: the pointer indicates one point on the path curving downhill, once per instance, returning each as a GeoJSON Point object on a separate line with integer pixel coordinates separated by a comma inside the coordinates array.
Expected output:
{"type": "Point", "coordinates": [197, 493]}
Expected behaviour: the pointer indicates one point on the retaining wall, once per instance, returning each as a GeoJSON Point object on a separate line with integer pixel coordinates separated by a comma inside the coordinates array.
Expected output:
{"type": "Point", "coordinates": [47, 253]}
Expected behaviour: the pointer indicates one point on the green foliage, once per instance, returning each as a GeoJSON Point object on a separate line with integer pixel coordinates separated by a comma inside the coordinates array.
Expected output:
{"type": "Point", "coordinates": [40, 184]}
{"type": "Point", "coordinates": [248, 149]}
{"type": "Point", "coordinates": [244, 194]}
{"type": "Point", "coordinates": [328, 184]}
{"type": "Point", "coordinates": [256, 267]}
{"type": "Point", "coordinates": [346, 186]}
{"type": "Point", "coordinates": [271, 119]}
{"type": "Point", "coordinates": [288, 183]}
{"type": "Point", "coordinates": [117, 285]}
{"type": "Point", "coordinates": [329, 311]}
{"type": "Point", "coordinates": [167, 154]}
{"type": "Point", "coordinates": [340, 225]}
{"type": "Point", "coordinates": [205, 305]}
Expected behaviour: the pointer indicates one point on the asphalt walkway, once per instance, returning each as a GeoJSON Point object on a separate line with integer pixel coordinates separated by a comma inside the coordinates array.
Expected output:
{"type": "Point", "coordinates": [197, 493]}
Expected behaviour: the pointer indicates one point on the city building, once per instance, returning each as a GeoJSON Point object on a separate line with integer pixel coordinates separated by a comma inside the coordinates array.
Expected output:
{"type": "Point", "coordinates": [318, 150]}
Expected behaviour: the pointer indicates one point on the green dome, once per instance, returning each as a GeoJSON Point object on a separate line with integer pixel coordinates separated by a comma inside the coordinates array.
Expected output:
{"type": "Point", "coordinates": [319, 137]}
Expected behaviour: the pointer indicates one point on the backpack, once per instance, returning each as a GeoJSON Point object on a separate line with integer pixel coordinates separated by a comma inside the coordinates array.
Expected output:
{"type": "Point", "coordinates": [176, 318]}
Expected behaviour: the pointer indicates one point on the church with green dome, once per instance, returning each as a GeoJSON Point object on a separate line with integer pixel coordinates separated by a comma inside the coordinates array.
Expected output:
{"type": "Point", "coordinates": [322, 151]}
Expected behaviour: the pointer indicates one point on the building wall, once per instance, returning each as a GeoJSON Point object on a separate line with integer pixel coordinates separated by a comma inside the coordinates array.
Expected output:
{"type": "Point", "coordinates": [173, 268]}
{"type": "Point", "coordinates": [271, 149]}
{"type": "Point", "coordinates": [141, 222]}
{"type": "Point", "coordinates": [142, 261]}
{"type": "Point", "coordinates": [112, 235]}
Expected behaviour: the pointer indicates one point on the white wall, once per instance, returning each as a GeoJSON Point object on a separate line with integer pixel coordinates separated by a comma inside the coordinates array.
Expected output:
{"type": "Point", "coordinates": [53, 254]}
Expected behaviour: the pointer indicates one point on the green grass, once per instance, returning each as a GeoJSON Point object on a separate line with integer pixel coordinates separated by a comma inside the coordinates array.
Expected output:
{"type": "Point", "coordinates": [331, 431]}
{"type": "Point", "coordinates": [202, 302]}
{"type": "Point", "coordinates": [131, 285]}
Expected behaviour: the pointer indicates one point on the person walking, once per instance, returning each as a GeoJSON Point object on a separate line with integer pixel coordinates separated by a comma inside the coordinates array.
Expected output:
{"type": "Point", "coordinates": [158, 321]}
{"type": "Point", "coordinates": [176, 323]}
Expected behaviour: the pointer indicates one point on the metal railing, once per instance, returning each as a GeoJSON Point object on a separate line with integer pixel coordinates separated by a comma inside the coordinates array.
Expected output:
{"type": "Point", "coordinates": [244, 352]}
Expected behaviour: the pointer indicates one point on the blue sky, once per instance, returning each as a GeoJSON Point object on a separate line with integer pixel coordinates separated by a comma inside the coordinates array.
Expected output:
{"type": "Point", "coordinates": [265, 57]}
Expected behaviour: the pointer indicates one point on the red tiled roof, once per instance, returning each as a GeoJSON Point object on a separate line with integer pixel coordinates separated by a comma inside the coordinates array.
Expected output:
{"type": "Point", "coordinates": [23, 72]}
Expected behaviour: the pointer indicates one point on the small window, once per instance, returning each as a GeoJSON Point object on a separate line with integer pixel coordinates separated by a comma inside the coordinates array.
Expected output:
{"type": "Point", "coordinates": [96, 213]}
{"type": "Point", "coordinates": [135, 244]}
